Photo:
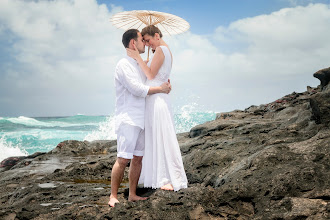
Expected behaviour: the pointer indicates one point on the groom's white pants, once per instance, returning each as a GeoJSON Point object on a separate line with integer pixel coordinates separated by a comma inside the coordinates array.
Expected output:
{"type": "Point", "coordinates": [130, 141]}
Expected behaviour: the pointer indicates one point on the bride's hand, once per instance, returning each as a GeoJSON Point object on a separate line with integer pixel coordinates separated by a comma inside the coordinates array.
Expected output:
{"type": "Point", "coordinates": [133, 53]}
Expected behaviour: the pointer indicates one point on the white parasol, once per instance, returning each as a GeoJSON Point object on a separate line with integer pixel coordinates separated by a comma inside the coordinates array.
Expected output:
{"type": "Point", "coordinates": [167, 23]}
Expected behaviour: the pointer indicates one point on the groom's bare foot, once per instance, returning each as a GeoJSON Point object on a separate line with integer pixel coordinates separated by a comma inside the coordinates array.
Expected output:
{"type": "Point", "coordinates": [136, 198]}
{"type": "Point", "coordinates": [112, 201]}
{"type": "Point", "coordinates": [167, 187]}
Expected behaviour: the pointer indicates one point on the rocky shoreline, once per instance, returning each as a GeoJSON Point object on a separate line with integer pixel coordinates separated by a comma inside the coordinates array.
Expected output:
{"type": "Point", "coordinates": [265, 162]}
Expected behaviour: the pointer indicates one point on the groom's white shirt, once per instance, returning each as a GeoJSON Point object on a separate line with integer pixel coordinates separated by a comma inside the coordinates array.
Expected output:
{"type": "Point", "coordinates": [130, 93]}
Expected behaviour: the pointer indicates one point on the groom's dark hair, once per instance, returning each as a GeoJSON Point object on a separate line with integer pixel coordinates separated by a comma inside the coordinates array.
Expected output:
{"type": "Point", "coordinates": [129, 35]}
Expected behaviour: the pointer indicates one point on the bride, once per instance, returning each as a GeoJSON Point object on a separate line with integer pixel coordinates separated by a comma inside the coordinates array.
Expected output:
{"type": "Point", "coordinates": [162, 165]}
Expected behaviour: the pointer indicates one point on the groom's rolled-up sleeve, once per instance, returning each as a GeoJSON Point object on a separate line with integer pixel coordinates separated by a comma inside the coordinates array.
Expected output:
{"type": "Point", "coordinates": [128, 79]}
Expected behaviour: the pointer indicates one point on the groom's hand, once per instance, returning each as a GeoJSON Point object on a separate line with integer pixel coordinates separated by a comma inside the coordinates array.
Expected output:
{"type": "Point", "coordinates": [166, 87]}
{"type": "Point", "coordinates": [135, 54]}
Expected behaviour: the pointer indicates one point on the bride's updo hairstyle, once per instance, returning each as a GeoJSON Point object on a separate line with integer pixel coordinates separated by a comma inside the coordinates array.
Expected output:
{"type": "Point", "coordinates": [151, 30]}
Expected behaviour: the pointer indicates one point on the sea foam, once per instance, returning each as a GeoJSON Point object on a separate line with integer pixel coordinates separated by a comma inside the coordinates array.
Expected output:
{"type": "Point", "coordinates": [27, 121]}
{"type": "Point", "coordinates": [63, 122]}
{"type": "Point", "coordinates": [7, 149]}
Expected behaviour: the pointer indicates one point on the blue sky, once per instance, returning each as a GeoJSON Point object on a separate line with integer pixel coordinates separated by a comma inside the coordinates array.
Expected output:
{"type": "Point", "coordinates": [57, 58]}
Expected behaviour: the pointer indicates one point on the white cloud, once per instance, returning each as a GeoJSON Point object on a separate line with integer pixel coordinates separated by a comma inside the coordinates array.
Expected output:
{"type": "Point", "coordinates": [63, 54]}
{"type": "Point", "coordinates": [284, 42]}
{"type": "Point", "coordinates": [277, 55]}
{"type": "Point", "coordinates": [299, 2]}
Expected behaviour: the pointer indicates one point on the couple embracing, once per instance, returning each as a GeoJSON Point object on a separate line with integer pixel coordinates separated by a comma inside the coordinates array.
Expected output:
{"type": "Point", "coordinates": [144, 121]}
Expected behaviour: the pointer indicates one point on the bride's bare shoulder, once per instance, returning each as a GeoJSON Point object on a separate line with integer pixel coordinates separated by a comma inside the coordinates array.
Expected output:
{"type": "Point", "coordinates": [159, 51]}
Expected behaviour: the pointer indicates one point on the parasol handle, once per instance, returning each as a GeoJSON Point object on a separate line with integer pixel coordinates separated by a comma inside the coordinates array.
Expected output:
{"type": "Point", "coordinates": [148, 54]}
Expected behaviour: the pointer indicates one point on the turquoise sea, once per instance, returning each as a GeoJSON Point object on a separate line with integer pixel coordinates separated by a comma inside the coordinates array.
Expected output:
{"type": "Point", "coordinates": [26, 135]}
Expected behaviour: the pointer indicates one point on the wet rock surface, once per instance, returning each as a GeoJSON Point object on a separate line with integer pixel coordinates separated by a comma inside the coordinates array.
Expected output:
{"type": "Point", "coordinates": [265, 162]}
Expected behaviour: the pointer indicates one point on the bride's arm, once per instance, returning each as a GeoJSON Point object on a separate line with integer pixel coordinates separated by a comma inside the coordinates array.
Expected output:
{"type": "Point", "coordinates": [156, 62]}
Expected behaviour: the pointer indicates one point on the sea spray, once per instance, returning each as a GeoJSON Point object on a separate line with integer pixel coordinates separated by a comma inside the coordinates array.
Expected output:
{"type": "Point", "coordinates": [189, 116]}
{"type": "Point", "coordinates": [105, 131]}
{"type": "Point", "coordinates": [8, 149]}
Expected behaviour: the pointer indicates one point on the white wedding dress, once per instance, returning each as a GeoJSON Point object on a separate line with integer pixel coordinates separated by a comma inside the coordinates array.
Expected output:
{"type": "Point", "coordinates": [162, 161]}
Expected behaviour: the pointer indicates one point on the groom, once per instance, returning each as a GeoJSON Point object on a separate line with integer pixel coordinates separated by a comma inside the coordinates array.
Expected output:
{"type": "Point", "coordinates": [129, 117]}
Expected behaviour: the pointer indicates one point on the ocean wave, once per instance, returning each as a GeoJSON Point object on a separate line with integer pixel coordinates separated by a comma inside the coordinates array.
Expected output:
{"type": "Point", "coordinates": [31, 135]}
{"type": "Point", "coordinates": [28, 135]}
{"type": "Point", "coordinates": [27, 121]}
{"type": "Point", "coordinates": [76, 120]}
{"type": "Point", "coordinates": [51, 122]}
{"type": "Point", "coordinates": [8, 149]}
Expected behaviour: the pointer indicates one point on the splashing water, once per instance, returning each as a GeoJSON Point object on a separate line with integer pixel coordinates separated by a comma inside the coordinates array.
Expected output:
{"type": "Point", "coordinates": [7, 149]}
{"type": "Point", "coordinates": [105, 131]}
{"type": "Point", "coordinates": [189, 116]}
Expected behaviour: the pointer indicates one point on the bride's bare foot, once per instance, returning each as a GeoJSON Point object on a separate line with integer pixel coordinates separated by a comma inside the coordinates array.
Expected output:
{"type": "Point", "coordinates": [112, 201]}
{"type": "Point", "coordinates": [136, 198]}
{"type": "Point", "coordinates": [167, 187]}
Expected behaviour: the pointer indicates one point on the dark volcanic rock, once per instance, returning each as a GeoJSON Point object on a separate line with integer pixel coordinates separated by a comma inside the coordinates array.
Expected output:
{"type": "Point", "coordinates": [324, 76]}
{"type": "Point", "coordinates": [15, 162]}
{"type": "Point", "coordinates": [10, 161]}
{"type": "Point", "coordinates": [265, 162]}
{"type": "Point", "coordinates": [320, 105]}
